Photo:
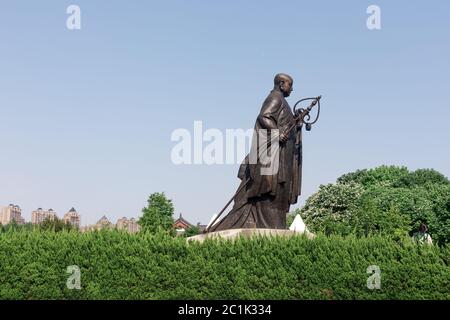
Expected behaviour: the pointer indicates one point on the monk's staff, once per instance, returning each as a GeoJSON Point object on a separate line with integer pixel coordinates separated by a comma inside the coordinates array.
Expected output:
{"type": "Point", "coordinates": [299, 119]}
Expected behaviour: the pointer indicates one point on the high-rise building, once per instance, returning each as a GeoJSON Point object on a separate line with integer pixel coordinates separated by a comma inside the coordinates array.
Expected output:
{"type": "Point", "coordinates": [129, 225]}
{"type": "Point", "coordinates": [38, 216]}
{"type": "Point", "coordinates": [103, 223]}
{"type": "Point", "coordinates": [11, 213]}
{"type": "Point", "coordinates": [122, 223]}
{"type": "Point", "coordinates": [133, 226]}
{"type": "Point", "coordinates": [72, 217]}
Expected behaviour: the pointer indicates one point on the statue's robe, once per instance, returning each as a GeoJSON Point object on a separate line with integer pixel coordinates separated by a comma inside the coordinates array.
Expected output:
{"type": "Point", "coordinates": [264, 199]}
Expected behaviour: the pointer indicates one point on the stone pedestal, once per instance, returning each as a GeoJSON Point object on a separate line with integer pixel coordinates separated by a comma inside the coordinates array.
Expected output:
{"type": "Point", "coordinates": [232, 234]}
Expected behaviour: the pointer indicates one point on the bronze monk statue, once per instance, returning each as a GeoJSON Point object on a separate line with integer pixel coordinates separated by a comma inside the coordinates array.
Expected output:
{"type": "Point", "coordinates": [263, 200]}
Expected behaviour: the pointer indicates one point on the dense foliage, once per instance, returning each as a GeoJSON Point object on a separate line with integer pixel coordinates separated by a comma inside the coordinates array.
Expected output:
{"type": "Point", "coordinates": [118, 265]}
{"type": "Point", "coordinates": [192, 231]}
{"type": "Point", "coordinates": [387, 200]}
{"type": "Point", "coordinates": [54, 224]}
{"type": "Point", "coordinates": [158, 214]}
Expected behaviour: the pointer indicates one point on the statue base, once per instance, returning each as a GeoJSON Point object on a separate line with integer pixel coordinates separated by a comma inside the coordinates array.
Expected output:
{"type": "Point", "coordinates": [232, 234]}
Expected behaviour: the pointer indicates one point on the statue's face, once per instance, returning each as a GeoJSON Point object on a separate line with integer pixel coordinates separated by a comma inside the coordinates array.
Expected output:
{"type": "Point", "coordinates": [286, 87]}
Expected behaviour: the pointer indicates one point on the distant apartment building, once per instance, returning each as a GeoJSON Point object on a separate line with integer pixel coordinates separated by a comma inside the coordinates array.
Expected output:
{"type": "Point", "coordinates": [72, 217]}
{"type": "Point", "coordinates": [11, 213]}
{"type": "Point", "coordinates": [38, 216]}
{"type": "Point", "coordinates": [129, 225]}
{"type": "Point", "coordinates": [103, 223]}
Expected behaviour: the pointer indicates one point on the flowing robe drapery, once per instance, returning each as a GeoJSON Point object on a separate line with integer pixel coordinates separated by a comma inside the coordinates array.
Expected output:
{"type": "Point", "coordinates": [265, 199]}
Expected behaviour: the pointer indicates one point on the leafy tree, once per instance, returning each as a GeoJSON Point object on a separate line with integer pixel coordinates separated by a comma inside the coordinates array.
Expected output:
{"type": "Point", "coordinates": [192, 231]}
{"type": "Point", "coordinates": [157, 216]}
{"type": "Point", "coordinates": [386, 200]}
{"type": "Point", "coordinates": [369, 219]}
{"type": "Point", "coordinates": [55, 225]}
{"type": "Point", "coordinates": [14, 226]}
{"type": "Point", "coordinates": [383, 175]}
{"type": "Point", "coordinates": [422, 177]}
{"type": "Point", "coordinates": [331, 208]}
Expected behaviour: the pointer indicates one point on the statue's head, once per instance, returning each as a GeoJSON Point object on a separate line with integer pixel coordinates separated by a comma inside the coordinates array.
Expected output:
{"type": "Point", "coordinates": [283, 83]}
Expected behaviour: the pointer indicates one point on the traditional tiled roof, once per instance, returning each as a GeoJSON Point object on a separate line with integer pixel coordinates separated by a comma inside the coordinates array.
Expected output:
{"type": "Point", "coordinates": [183, 221]}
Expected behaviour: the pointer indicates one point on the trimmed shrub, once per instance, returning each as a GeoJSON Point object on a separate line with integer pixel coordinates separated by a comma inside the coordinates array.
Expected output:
{"type": "Point", "coordinates": [118, 265]}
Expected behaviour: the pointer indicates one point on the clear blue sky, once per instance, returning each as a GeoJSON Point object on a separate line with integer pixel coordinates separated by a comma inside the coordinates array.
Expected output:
{"type": "Point", "coordinates": [86, 115]}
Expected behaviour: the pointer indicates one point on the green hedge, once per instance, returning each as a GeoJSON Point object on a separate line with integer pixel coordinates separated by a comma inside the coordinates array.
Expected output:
{"type": "Point", "coordinates": [116, 265]}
